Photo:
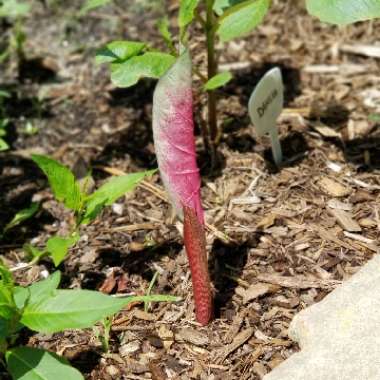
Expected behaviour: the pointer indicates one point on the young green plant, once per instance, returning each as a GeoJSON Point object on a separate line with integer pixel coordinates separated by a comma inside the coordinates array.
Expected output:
{"type": "Point", "coordinates": [44, 308]}
{"type": "Point", "coordinates": [15, 11]}
{"type": "Point", "coordinates": [219, 20]}
{"type": "Point", "coordinates": [74, 196]}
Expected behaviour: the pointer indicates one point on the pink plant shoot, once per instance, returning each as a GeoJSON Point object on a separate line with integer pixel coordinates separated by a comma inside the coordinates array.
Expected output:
{"type": "Point", "coordinates": [173, 132]}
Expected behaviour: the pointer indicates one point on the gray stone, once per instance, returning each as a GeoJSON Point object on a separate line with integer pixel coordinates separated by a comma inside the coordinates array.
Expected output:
{"type": "Point", "coordinates": [339, 336]}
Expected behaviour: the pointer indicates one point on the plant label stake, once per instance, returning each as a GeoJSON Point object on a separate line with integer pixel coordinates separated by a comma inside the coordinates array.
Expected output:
{"type": "Point", "coordinates": [265, 106]}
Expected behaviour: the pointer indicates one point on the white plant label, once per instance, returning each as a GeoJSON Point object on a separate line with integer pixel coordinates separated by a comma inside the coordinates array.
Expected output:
{"type": "Point", "coordinates": [265, 106]}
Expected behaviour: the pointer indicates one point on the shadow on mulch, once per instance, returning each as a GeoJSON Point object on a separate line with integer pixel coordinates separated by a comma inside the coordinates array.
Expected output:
{"type": "Point", "coordinates": [19, 105]}
{"type": "Point", "coordinates": [132, 263]}
{"type": "Point", "coordinates": [18, 183]}
{"type": "Point", "coordinates": [134, 142]}
{"type": "Point", "coordinates": [35, 70]}
{"type": "Point", "coordinates": [86, 361]}
{"type": "Point", "coordinates": [294, 146]}
{"type": "Point", "coordinates": [226, 263]}
{"type": "Point", "coordinates": [137, 96]}
{"type": "Point", "coordinates": [364, 153]}
{"type": "Point", "coordinates": [137, 140]}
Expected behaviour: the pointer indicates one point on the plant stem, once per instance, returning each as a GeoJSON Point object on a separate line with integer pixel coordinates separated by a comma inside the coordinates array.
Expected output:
{"type": "Point", "coordinates": [212, 69]}
{"type": "Point", "coordinates": [195, 244]}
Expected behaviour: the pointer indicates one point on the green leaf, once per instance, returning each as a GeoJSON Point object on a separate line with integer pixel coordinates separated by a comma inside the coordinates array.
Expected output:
{"type": "Point", "coordinates": [22, 215]}
{"type": "Point", "coordinates": [26, 363]}
{"type": "Point", "coordinates": [4, 94]}
{"type": "Point", "coordinates": [108, 193]}
{"type": "Point", "coordinates": [242, 18]}
{"type": "Point", "coordinates": [3, 145]}
{"type": "Point", "coordinates": [62, 181]}
{"type": "Point", "coordinates": [93, 4]}
{"type": "Point", "coordinates": [37, 292]}
{"type": "Point", "coordinates": [75, 309]}
{"type": "Point", "coordinates": [57, 247]}
{"type": "Point", "coordinates": [119, 51]}
{"type": "Point", "coordinates": [218, 80]}
{"type": "Point", "coordinates": [7, 303]}
{"type": "Point", "coordinates": [186, 12]}
{"type": "Point", "coordinates": [33, 252]}
{"type": "Point", "coordinates": [163, 28]}
{"type": "Point", "coordinates": [148, 65]}
{"type": "Point", "coordinates": [221, 5]}
{"type": "Point", "coordinates": [343, 12]}
{"type": "Point", "coordinates": [13, 9]}
{"type": "Point", "coordinates": [374, 117]}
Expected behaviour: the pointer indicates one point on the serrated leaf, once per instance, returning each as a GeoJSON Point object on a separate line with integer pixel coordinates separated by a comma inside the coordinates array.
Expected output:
{"type": "Point", "coordinates": [14, 9]}
{"type": "Point", "coordinates": [75, 309]}
{"type": "Point", "coordinates": [343, 12]}
{"type": "Point", "coordinates": [26, 363]}
{"type": "Point", "coordinates": [93, 4]}
{"type": "Point", "coordinates": [62, 181]}
{"type": "Point", "coordinates": [242, 18]}
{"type": "Point", "coordinates": [148, 65]}
{"type": "Point", "coordinates": [108, 193]}
{"type": "Point", "coordinates": [119, 51]}
{"type": "Point", "coordinates": [221, 5]}
{"type": "Point", "coordinates": [186, 12]}
{"type": "Point", "coordinates": [22, 215]}
{"type": "Point", "coordinates": [38, 291]}
{"type": "Point", "coordinates": [218, 80]}
{"type": "Point", "coordinates": [57, 247]}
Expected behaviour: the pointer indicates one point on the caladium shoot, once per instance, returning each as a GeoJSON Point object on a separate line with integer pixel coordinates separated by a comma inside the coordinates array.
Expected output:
{"type": "Point", "coordinates": [173, 132]}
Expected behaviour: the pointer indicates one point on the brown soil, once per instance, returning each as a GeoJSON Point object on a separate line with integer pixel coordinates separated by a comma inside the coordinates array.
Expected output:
{"type": "Point", "coordinates": [275, 245]}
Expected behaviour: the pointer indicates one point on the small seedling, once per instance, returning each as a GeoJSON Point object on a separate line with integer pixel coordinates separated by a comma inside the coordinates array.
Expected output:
{"type": "Point", "coordinates": [44, 308]}
{"type": "Point", "coordinates": [4, 121]}
{"type": "Point", "coordinates": [15, 11]}
{"type": "Point", "coordinates": [21, 217]}
{"type": "Point", "coordinates": [86, 207]}
{"type": "Point", "coordinates": [220, 20]}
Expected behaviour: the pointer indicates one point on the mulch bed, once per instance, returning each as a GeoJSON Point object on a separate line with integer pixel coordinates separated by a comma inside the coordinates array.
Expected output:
{"type": "Point", "coordinates": [279, 239]}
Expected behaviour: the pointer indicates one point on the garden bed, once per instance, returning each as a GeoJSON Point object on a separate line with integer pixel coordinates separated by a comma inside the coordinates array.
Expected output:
{"type": "Point", "coordinates": [276, 241]}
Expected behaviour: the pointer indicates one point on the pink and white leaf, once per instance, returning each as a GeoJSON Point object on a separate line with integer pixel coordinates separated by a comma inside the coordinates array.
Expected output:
{"type": "Point", "coordinates": [173, 132]}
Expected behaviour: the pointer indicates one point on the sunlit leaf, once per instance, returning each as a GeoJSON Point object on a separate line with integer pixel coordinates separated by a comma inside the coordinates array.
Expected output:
{"type": "Point", "coordinates": [186, 12]}
{"type": "Point", "coordinates": [57, 247]}
{"type": "Point", "coordinates": [218, 80]}
{"type": "Point", "coordinates": [119, 51]}
{"type": "Point", "coordinates": [343, 12]}
{"type": "Point", "coordinates": [27, 363]}
{"type": "Point", "coordinates": [148, 65]}
{"type": "Point", "coordinates": [108, 193]}
{"type": "Point", "coordinates": [38, 291]}
{"type": "Point", "coordinates": [62, 181]}
{"type": "Point", "coordinates": [93, 4]}
{"type": "Point", "coordinates": [14, 8]}
{"type": "Point", "coordinates": [242, 18]}
{"type": "Point", "coordinates": [74, 309]}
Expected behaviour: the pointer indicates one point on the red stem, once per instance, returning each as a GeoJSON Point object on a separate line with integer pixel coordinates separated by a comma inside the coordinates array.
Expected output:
{"type": "Point", "coordinates": [195, 244]}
